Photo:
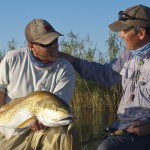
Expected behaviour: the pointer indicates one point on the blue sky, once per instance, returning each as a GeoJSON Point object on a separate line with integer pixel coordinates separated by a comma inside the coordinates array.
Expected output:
{"type": "Point", "coordinates": [85, 17]}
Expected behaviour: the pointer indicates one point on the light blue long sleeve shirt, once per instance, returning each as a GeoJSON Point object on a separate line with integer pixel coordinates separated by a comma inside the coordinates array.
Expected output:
{"type": "Point", "coordinates": [123, 69]}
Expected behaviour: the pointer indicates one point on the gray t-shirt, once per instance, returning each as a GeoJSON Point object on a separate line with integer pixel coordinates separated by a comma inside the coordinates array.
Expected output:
{"type": "Point", "coordinates": [19, 77]}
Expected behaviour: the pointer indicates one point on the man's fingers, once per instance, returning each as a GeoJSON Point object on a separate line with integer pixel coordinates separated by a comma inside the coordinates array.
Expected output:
{"type": "Point", "coordinates": [37, 126]}
{"type": "Point", "coordinates": [41, 125]}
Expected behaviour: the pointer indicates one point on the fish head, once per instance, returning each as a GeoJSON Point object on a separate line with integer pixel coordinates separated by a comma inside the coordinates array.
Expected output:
{"type": "Point", "coordinates": [53, 111]}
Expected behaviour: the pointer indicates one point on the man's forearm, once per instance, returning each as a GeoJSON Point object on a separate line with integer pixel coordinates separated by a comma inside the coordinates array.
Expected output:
{"type": "Point", "coordinates": [2, 98]}
{"type": "Point", "coordinates": [70, 58]}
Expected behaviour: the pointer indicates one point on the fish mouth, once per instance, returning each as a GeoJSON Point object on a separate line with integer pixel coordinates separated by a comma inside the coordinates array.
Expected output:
{"type": "Point", "coordinates": [66, 120]}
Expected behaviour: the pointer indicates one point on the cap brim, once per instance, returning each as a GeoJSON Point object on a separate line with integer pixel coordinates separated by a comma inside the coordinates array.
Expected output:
{"type": "Point", "coordinates": [118, 26]}
{"type": "Point", "coordinates": [48, 38]}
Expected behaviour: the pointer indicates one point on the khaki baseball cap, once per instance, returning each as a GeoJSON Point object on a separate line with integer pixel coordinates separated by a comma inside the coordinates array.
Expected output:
{"type": "Point", "coordinates": [138, 16]}
{"type": "Point", "coordinates": [41, 31]}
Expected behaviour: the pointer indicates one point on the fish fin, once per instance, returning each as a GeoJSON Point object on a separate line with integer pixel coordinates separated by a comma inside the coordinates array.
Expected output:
{"type": "Point", "coordinates": [8, 132]}
{"type": "Point", "coordinates": [71, 125]}
{"type": "Point", "coordinates": [28, 122]}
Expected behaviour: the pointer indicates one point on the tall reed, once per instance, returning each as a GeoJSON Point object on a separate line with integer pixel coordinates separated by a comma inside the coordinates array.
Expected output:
{"type": "Point", "coordinates": [92, 96]}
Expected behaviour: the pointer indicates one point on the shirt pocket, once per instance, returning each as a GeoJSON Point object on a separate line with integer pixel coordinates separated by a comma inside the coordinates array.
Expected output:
{"type": "Point", "coordinates": [144, 87]}
{"type": "Point", "coordinates": [144, 78]}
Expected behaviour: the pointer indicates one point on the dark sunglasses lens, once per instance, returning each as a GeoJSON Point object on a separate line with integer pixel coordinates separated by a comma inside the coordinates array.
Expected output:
{"type": "Point", "coordinates": [121, 16]}
{"type": "Point", "coordinates": [51, 44]}
{"type": "Point", "coordinates": [42, 45]}
{"type": "Point", "coordinates": [47, 45]}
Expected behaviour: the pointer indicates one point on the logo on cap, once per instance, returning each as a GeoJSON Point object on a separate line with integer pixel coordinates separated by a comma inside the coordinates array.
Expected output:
{"type": "Point", "coordinates": [48, 28]}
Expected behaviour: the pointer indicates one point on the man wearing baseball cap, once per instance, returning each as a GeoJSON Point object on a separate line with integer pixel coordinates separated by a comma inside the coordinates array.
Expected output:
{"type": "Point", "coordinates": [38, 68]}
{"type": "Point", "coordinates": [132, 68]}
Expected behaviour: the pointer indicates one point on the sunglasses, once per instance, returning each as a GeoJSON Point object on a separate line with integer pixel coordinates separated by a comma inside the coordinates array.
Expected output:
{"type": "Point", "coordinates": [123, 17]}
{"type": "Point", "coordinates": [46, 45]}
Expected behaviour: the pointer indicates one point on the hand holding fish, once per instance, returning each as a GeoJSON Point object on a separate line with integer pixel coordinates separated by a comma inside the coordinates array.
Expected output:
{"type": "Point", "coordinates": [37, 126]}
{"type": "Point", "coordinates": [36, 110]}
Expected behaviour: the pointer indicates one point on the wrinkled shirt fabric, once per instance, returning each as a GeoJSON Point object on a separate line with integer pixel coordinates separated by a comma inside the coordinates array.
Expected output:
{"type": "Point", "coordinates": [19, 77]}
{"type": "Point", "coordinates": [133, 71]}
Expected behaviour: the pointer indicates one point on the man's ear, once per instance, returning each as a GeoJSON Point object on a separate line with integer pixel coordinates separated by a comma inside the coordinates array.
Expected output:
{"type": "Point", "coordinates": [30, 45]}
{"type": "Point", "coordinates": [142, 33]}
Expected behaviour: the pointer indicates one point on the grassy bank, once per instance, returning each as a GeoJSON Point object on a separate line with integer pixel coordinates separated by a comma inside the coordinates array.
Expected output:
{"type": "Point", "coordinates": [92, 96]}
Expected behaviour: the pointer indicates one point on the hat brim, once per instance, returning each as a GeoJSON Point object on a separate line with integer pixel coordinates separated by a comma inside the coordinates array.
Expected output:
{"type": "Point", "coordinates": [48, 38]}
{"type": "Point", "coordinates": [118, 26]}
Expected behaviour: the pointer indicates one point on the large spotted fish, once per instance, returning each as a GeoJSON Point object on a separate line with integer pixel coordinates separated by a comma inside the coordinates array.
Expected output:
{"type": "Point", "coordinates": [21, 113]}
